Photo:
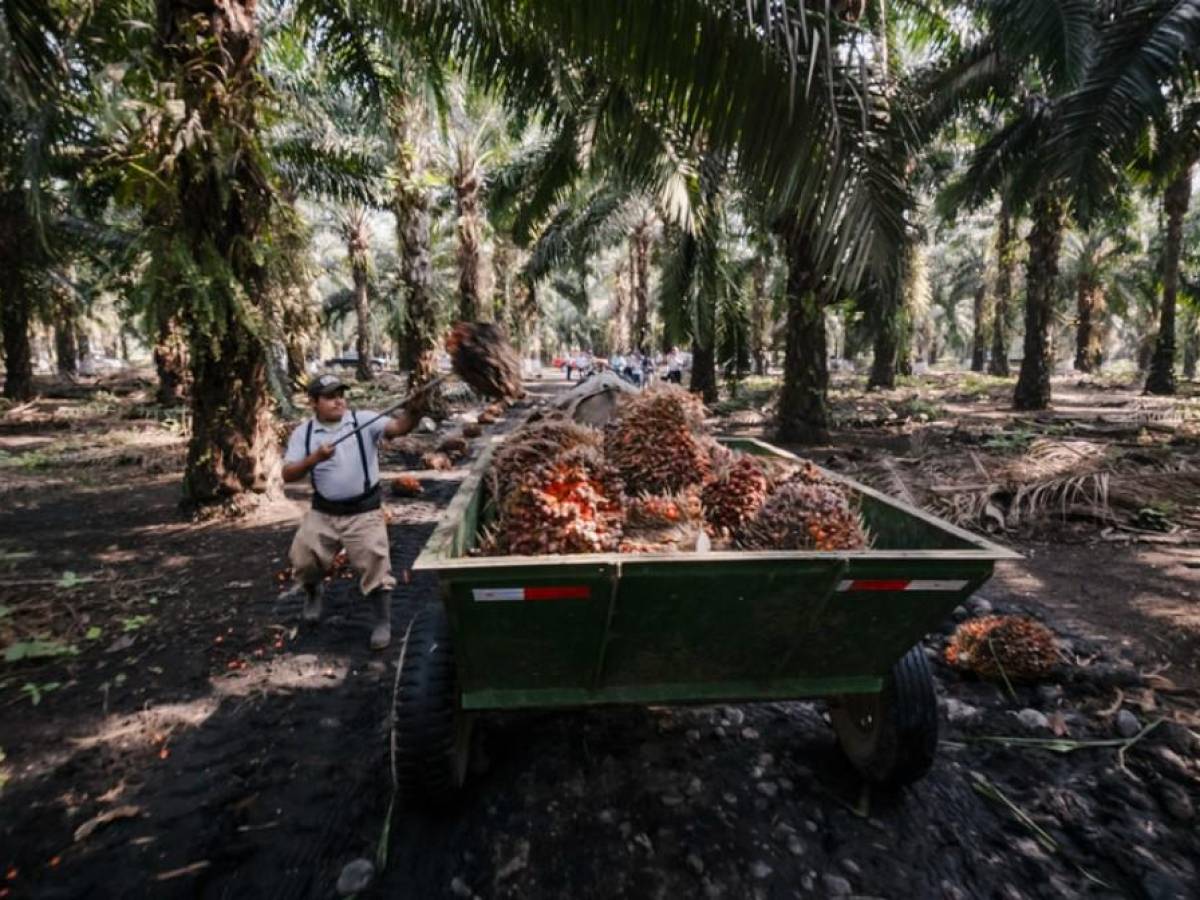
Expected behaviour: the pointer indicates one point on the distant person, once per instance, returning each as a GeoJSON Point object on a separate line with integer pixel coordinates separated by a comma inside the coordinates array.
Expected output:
{"type": "Point", "coordinates": [347, 499]}
{"type": "Point", "coordinates": [675, 366]}
{"type": "Point", "coordinates": [647, 369]}
{"type": "Point", "coordinates": [633, 368]}
{"type": "Point", "coordinates": [583, 362]}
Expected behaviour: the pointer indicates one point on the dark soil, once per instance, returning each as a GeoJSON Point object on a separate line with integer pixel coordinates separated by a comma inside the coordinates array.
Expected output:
{"type": "Point", "coordinates": [246, 757]}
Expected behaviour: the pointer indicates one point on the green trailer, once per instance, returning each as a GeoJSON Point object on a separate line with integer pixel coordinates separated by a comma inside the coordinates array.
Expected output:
{"type": "Point", "coordinates": [540, 632]}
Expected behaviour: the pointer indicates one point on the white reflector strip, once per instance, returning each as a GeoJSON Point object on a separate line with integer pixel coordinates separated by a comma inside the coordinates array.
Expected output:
{"type": "Point", "coordinates": [496, 595]}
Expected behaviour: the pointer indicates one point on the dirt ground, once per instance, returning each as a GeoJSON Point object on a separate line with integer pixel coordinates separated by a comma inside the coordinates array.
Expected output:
{"type": "Point", "coordinates": [170, 731]}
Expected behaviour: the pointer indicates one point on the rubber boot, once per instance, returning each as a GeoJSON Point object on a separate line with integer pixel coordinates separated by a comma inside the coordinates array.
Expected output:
{"type": "Point", "coordinates": [311, 614]}
{"type": "Point", "coordinates": [381, 634]}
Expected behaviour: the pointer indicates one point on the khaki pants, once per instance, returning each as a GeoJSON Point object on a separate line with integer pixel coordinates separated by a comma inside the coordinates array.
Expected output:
{"type": "Point", "coordinates": [363, 535]}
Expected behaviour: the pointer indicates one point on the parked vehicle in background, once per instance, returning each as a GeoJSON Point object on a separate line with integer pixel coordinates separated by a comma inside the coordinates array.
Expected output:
{"type": "Point", "coordinates": [101, 365]}
{"type": "Point", "coordinates": [349, 360]}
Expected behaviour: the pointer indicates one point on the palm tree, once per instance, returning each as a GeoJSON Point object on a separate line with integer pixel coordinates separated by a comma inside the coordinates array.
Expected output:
{"type": "Point", "coordinates": [222, 212]}
{"type": "Point", "coordinates": [1093, 266]}
{"type": "Point", "coordinates": [1044, 50]}
{"type": "Point", "coordinates": [473, 134]}
{"type": "Point", "coordinates": [411, 202]}
{"type": "Point", "coordinates": [32, 71]}
{"type": "Point", "coordinates": [1172, 164]}
{"type": "Point", "coordinates": [778, 90]}
{"type": "Point", "coordinates": [356, 232]}
{"type": "Point", "coordinates": [1006, 252]}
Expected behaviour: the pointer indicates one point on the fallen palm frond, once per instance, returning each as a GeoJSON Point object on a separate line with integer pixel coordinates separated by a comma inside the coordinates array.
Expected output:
{"type": "Point", "coordinates": [1066, 745]}
{"type": "Point", "coordinates": [1066, 478]}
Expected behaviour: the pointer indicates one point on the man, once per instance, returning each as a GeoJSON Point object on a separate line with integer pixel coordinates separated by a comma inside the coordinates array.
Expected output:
{"type": "Point", "coordinates": [675, 366]}
{"type": "Point", "coordinates": [347, 500]}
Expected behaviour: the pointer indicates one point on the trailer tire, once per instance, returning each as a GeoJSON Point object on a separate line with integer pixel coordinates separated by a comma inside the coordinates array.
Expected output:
{"type": "Point", "coordinates": [891, 737]}
{"type": "Point", "coordinates": [430, 735]}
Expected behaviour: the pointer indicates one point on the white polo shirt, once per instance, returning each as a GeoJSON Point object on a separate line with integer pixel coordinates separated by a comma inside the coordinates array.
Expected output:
{"type": "Point", "coordinates": [341, 476]}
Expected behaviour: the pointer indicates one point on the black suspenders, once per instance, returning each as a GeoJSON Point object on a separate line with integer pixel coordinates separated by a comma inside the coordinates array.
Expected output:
{"type": "Point", "coordinates": [362, 453]}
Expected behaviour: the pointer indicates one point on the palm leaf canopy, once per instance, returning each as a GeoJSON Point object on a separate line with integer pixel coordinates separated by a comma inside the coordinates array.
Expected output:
{"type": "Point", "coordinates": [780, 87]}
{"type": "Point", "coordinates": [1147, 53]}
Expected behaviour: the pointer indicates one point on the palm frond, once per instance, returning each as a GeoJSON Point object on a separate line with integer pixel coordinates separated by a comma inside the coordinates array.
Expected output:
{"type": "Point", "coordinates": [533, 183]}
{"type": "Point", "coordinates": [577, 231]}
{"type": "Point", "coordinates": [310, 168]}
{"type": "Point", "coordinates": [777, 87]}
{"type": "Point", "coordinates": [1144, 48]}
{"type": "Point", "coordinates": [1010, 159]}
{"type": "Point", "coordinates": [31, 38]}
{"type": "Point", "coordinates": [1056, 34]}
{"type": "Point", "coordinates": [351, 50]}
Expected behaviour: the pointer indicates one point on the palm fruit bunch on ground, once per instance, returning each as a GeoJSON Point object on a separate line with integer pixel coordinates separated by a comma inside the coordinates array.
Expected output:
{"type": "Point", "coordinates": [735, 491]}
{"type": "Point", "coordinates": [482, 357]}
{"type": "Point", "coordinates": [407, 486]}
{"type": "Point", "coordinates": [656, 441]}
{"type": "Point", "coordinates": [803, 514]}
{"type": "Point", "coordinates": [659, 523]}
{"type": "Point", "coordinates": [534, 444]}
{"type": "Point", "coordinates": [1016, 647]}
{"type": "Point", "coordinates": [571, 503]}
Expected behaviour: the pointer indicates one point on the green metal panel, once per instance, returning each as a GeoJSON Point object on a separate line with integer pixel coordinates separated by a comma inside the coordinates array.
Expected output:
{"type": "Point", "coordinates": [513, 644]}
{"type": "Point", "coordinates": [685, 692]}
{"type": "Point", "coordinates": [711, 622]}
{"type": "Point", "coordinates": [871, 629]}
{"type": "Point", "coordinates": [696, 627]}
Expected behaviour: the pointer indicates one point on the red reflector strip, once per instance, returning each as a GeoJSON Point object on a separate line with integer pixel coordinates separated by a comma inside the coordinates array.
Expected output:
{"type": "Point", "coordinates": [565, 592]}
{"type": "Point", "coordinates": [882, 584]}
{"type": "Point", "coordinates": [867, 584]}
{"type": "Point", "coordinates": [511, 595]}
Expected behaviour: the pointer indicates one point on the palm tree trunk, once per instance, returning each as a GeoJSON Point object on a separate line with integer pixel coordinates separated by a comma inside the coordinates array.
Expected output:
{"type": "Point", "coordinates": [759, 316]}
{"type": "Point", "coordinates": [1005, 260]}
{"type": "Point", "coordinates": [213, 46]}
{"type": "Point", "coordinates": [703, 380]}
{"type": "Point", "coordinates": [1089, 303]}
{"type": "Point", "coordinates": [171, 363]}
{"type": "Point", "coordinates": [14, 321]}
{"type": "Point", "coordinates": [66, 348]}
{"type": "Point", "coordinates": [618, 338]}
{"type": "Point", "coordinates": [502, 265]}
{"type": "Point", "coordinates": [362, 314]}
{"type": "Point", "coordinates": [1161, 379]}
{"type": "Point", "coordinates": [893, 334]}
{"type": "Point", "coordinates": [470, 240]}
{"type": "Point", "coordinates": [66, 324]}
{"type": "Point", "coordinates": [1191, 343]}
{"type": "Point", "coordinates": [1045, 241]}
{"type": "Point", "coordinates": [803, 416]}
{"type": "Point", "coordinates": [411, 206]}
{"type": "Point", "coordinates": [18, 254]}
{"type": "Point", "coordinates": [887, 341]}
{"type": "Point", "coordinates": [978, 335]}
{"type": "Point", "coordinates": [641, 281]}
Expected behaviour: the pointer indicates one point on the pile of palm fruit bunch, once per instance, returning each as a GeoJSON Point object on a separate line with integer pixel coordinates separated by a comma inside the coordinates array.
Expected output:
{"type": "Point", "coordinates": [1014, 647]}
{"type": "Point", "coordinates": [570, 503]}
{"type": "Point", "coordinates": [658, 523]}
{"type": "Point", "coordinates": [805, 511]}
{"type": "Point", "coordinates": [534, 444]}
{"type": "Point", "coordinates": [735, 491]}
{"type": "Point", "coordinates": [657, 443]}
{"type": "Point", "coordinates": [654, 481]}
{"type": "Point", "coordinates": [481, 355]}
